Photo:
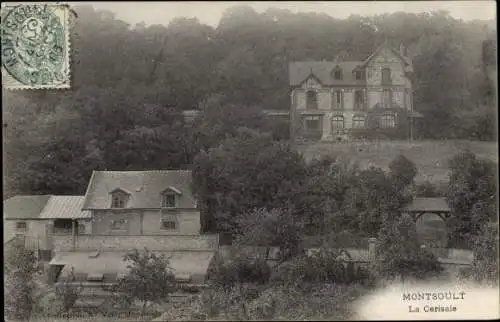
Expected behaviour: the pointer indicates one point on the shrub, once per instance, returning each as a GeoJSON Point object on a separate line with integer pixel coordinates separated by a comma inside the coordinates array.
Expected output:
{"type": "Point", "coordinates": [20, 281]}
{"type": "Point", "coordinates": [322, 266]}
{"type": "Point", "coordinates": [240, 270]}
{"type": "Point", "coordinates": [427, 190]}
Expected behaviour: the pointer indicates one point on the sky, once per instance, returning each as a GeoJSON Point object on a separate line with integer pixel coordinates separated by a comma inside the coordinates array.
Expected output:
{"type": "Point", "coordinates": [210, 12]}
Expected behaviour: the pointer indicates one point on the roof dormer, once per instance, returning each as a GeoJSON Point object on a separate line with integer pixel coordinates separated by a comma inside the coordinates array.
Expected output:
{"type": "Point", "coordinates": [169, 197]}
{"type": "Point", "coordinates": [337, 73]}
{"type": "Point", "coordinates": [119, 198]}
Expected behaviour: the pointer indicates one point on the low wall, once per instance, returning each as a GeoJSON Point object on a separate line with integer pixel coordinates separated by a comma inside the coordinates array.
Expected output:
{"type": "Point", "coordinates": [172, 242]}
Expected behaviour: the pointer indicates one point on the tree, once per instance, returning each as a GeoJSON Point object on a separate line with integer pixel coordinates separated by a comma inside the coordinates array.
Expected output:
{"type": "Point", "coordinates": [275, 227]}
{"type": "Point", "coordinates": [427, 190]}
{"type": "Point", "coordinates": [245, 172]}
{"type": "Point", "coordinates": [20, 274]}
{"type": "Point", "coordinates": [372, 196]}
{"type": "Point", "coordinates": [402, 171]}
{"type": "Point", "coordinates": [472, 193]}
{"type": "Point", "coordinates": [68, 292]}
{"type": "Point", "coordinates": [485, 266]}
{"type": "Point", "coordinates": [149, 278]}
{"type": "Point", "coordinates": [399, 252]}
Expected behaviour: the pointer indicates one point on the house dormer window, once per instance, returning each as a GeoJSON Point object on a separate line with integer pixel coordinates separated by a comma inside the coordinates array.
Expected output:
{"type": "Point", "coordinates": [119, 198]}
{"type": "Point", "coordinates": [169, 197]}
{"type": "Point", "coordinates": [168, 200]}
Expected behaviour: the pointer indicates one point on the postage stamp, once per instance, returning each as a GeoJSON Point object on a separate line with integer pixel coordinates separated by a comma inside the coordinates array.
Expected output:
{"type": "Point", "coordinates": [35, 46]}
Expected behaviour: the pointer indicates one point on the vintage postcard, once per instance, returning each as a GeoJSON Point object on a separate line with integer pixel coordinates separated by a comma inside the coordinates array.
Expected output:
{"type": "Point", "coordinates": [170, 161]}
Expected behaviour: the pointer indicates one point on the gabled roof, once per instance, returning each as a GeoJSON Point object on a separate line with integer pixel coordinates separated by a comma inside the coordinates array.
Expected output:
{"type": "Point", "coordinates": [145, 188]}
{"type": "Point", "coordinates": [300, 71]}
{"type": "Point", "coordinates": [428, 204]}
{"type": "Point", "coordinates": [24, 207]}
{"type": "Point", "coordinates": [379, 48]}
{"type": "Point", "coordinates": [65, 207]}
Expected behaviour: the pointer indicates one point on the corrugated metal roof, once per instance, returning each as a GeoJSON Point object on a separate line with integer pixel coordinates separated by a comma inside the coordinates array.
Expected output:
{"type": "Point", "coordinates": [145, 188]}
{"type": "Point", "coordinates": [111, 262]}
{"type": "Point", "coordinates": [65, 207]}
{"type": "Point", "coordinates": [24, 207]}
{"type": "Point", "coordinates": [428, 204]}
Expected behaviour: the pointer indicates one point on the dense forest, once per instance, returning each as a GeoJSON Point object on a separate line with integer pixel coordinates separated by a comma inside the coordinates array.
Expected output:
{"type": "Point", "coordinates": [130, 83]}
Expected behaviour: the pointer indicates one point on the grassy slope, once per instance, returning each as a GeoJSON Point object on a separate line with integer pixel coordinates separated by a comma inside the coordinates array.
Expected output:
{"type": "Point", "coordinates": [431, 157]}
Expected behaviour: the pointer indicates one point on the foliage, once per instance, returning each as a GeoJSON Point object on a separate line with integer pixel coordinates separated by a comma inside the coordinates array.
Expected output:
{"type": "Point", "coordinates": [149, 278]}
{"type": "Point", "coordinates": [240, 270]}
{"type": "Point", "coordinates": [259, 227]}
{"type": "Point", "coordinates": [68, 292]}
{"type": "Point", "coordinates": [399, 252]}
{"type": "Point", "coordinates": [20, 285]}
{"type": "Point", "coordinates": [246, 172]}
{"type": "Point", "coordinates": [373, 195]}
{"type": "Point", "coordinates": [402, 171]}
{"type": "Point", "coordinates": [427, 190]}
{"type": "Point", "coordinates": [485, 267]}
{"type": "Point", "coordinates": [323, 266]}
{"type": "Point", "coordinates": [472, 193]}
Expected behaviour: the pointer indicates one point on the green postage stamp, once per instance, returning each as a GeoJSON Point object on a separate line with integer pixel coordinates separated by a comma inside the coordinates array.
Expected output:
{"type": "Point", "coordinates": [35, 46]}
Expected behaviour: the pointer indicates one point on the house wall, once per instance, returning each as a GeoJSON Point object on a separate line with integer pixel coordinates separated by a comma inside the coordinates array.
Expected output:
{"type": "Point", "coordinates": [386, 58]}
{"type": "Point", "coordinates": [173, 242]}
{"type": "Point", "coordinates": [188, 223]}
{"type": "Point", "coordinates": [35, 229]}
{"type": "Point", "coordinates": [145, 222]}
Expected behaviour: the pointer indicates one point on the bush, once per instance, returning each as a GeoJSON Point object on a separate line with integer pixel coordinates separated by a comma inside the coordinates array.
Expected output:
{"type": "Point", "coordinates": [319, 267]}
{"type": "Point", "coordinates": [240, 270]}
{"type": "Point", "coordinates": [427, 190]}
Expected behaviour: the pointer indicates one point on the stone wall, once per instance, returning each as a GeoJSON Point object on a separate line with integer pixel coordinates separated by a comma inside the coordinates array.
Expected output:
{"type": "Point", "coordinates": [173, 242]}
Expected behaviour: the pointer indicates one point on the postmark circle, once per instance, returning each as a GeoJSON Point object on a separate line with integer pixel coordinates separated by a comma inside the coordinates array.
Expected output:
{"type": "Point", "coordinates": [33, 45]}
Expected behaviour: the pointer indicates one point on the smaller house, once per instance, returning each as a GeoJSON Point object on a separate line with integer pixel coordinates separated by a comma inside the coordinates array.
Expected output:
{"type": "Point", "coordinates": [38, 218]}
{"type": "Point", "coordinates": [22, 216]}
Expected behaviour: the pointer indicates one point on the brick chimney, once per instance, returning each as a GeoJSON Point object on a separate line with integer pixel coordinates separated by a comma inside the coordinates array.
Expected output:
{"type": "Point", "coordinates": [372, 247]}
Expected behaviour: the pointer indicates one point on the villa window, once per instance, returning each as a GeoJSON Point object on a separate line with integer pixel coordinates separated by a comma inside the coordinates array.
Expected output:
{"type": "Point", "coordinates": [338, 99]}
{"type": "Point", "coordinates": [386, 76]}
{"type": "Point", "coordinates": [312, 100]}
{"type": "Point", "coordinates": [312, 122]}
{"type": "Point", "coordinates": [358, 100]}
{"type": "Point", "coordinates": [386, 98]}
{"type": "Point", "coordinates": [168, 200]}
{"type": "Point", "coordinates": [337, 122]}
{"type": "Point", "coordinates": [359, 75]}
{"type": "Point", "coordinates": [387, 121]}
{"type": "Point", "coordinates": [358, 122]}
